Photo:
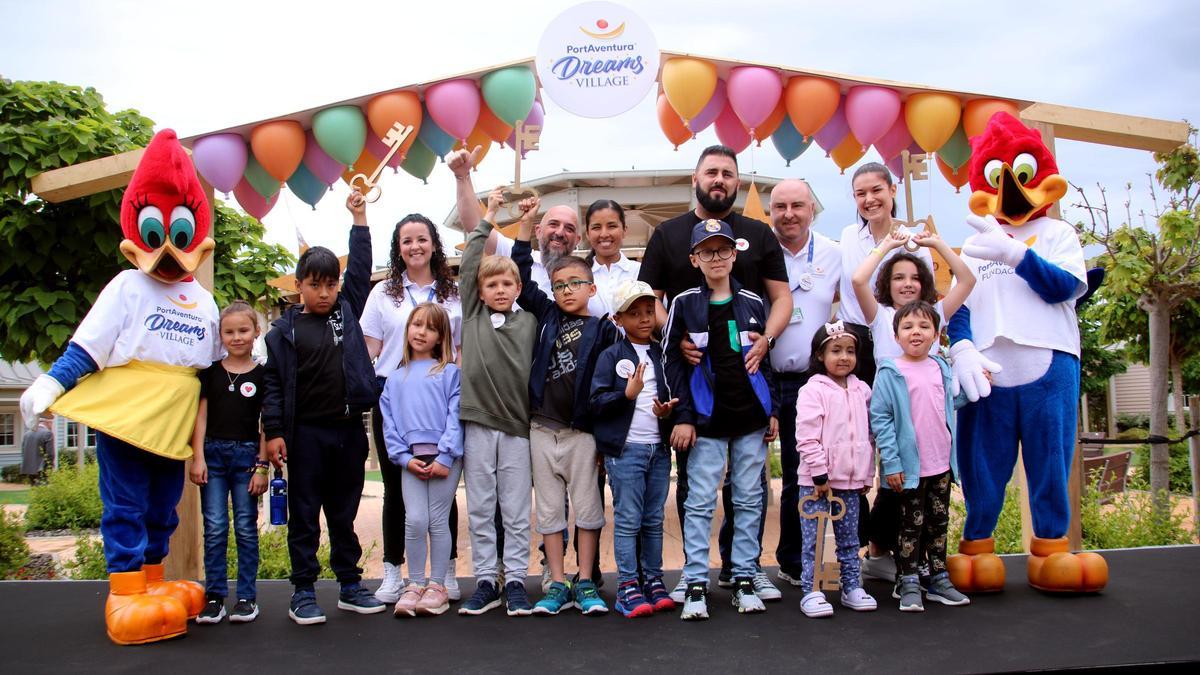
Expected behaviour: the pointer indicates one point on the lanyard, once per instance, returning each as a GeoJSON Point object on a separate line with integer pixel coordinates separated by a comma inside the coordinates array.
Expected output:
{"type": "Point", "coordinates": [430, 298]}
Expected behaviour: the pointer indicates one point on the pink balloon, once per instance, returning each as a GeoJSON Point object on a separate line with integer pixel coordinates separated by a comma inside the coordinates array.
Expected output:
{"type": "Point", "coordinates": [252, 202]}
{"type": "Point", "coordinates": [711, 110]}
{"type": "Point", "coordinates": [454, 106]}
{"type": "Point", "coordinates": [324, 167]}
{"type": "Point", "coordinates": [871, 111]}
{"type": "Point", "coordinates": [730, 130]}
{"type": "Point", "coordinates": [537, 117]}
{"type": "Point", "coordinates": [378, 148]}
{"type": "Point", "coordinates": [754, 92]}
{"type": "Point", "coordinates": [895, 140]}
{"type": "Point", "coordinates": [834, 130]}
{"type": "Point", "coordinates": [220, 159]}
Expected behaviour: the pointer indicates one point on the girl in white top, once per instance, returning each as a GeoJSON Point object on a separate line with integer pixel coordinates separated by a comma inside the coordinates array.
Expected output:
{"type": "Point", "coordinates": [610, 268]}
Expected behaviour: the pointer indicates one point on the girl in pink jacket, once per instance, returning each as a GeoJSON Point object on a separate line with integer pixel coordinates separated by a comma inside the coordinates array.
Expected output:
{"type": "Point", "coordinates": [836, 458]}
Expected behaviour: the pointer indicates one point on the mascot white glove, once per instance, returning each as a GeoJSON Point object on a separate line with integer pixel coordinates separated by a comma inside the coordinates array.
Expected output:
{"type": "Point", "coordinates": [969, 366]}
{"type": "Point", "coordinates": [993, 243]}
{"type": "Point", "coordinates": [44, 391]}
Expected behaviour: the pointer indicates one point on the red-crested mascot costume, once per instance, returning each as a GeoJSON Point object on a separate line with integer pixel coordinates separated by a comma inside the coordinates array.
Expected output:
{"type": "Point", "coordinates": [1019, 323]}
{"type": "Point", "coordinates": [129, 372]}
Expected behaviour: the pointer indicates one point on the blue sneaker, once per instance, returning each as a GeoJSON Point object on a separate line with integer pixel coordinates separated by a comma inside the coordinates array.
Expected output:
{"type": "Point", "coordinates": [557, 599]}
{"type": "Point", "coordinates": [516, 599]}
{"type": "Point", "coordinates": [485, 598]}
{"type": "Point", "coordinates": [304, 609]}
{"type": "Point", "coordinates": [631, 603]}
{"type": "Point", "coordinates": [657, 595]}
{"type": "Point", "coordinates": [355, 598]}
{"type": "Point", "coordinates": [587, 598]}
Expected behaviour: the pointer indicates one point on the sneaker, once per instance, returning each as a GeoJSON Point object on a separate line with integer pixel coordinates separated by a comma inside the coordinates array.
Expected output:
{"type": "Point", "coordinates": [941, 590]}
{"type": "Point", "coordinates": [485, 598]}
{"type": "Point", "coordinates": [557, 599]}
{"type": "Point", "coordinates": [923, 581]}
{"type": "Point", "coordinates": [881, 567]}
{"type": "Point", "coordinates": [679, 593]}
{"type": "Point", "coordinates": [725, 578]}
{"type": "Point", "coordinates": [587, 598]}
{"type": "Point", "coordinates": [656, 595]}
{"type": "Point", "coordinates": [695, 603]}
{"type": "Point", "coordinates": [244, 611]}
{"type": "Point", "coordinates": [304, 609]}
{"type": "Point", "coordinates": [406, 605]}
{"type": "Point", "coordinates": [517, 599]}
{"type": "Point", "coordinates": [546, 578]}
{"type": "Point", "coordinates": [453, 592]}
{"type": "Point", "coordinates": [393, 583]}
{"type": "Point", "coordinates": [597, 577]}
{"type": "Point", "coordinates": [744, 597]}
{"type": "Point", "coordinates": [763, 587]}
{"type": "Point", "coordinates": [355, 598]}
{"type": "Point", "coordinates": [910, 595]}
{"type": "Point", "coordinates": [858, 600]}
{"type": "Point", "coordinates": [814, 605]}
{"type": "Point", "coordinates": [790, 575]}
{"type": "Point", "coordinates": [631, 603]}
{"type": "Point", "coordinates": [214, 609]}
{"type": "Point", "coordinates": [433, 601]}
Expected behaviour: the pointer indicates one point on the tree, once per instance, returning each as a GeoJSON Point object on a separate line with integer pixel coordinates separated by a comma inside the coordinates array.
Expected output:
{"type": "Point", "coordinates": [243, 262]}
{"type": "Point", "coordinates": [1098, 361]}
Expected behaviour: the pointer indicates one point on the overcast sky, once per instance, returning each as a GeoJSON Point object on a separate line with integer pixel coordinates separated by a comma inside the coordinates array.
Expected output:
{"type": "Point", "coordinates": [200, 67]}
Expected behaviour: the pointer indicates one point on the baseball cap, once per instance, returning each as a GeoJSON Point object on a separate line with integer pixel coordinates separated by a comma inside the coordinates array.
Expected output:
{"type": "Point", "coordinates": [707, 229]}
{"type": "Point", "coordinates": [628, 291]}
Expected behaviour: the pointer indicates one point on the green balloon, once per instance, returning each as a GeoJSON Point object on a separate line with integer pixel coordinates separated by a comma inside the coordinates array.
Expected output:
{"type": "Point", "coordinates": [509, 93]}
{"type": "Point", "coordinates": [420, 161]}
{"type": "Point", "coordinates": [956, 151]}
{"type": "Point", "coordinates": [258, 178]}
{"type": "Point", "coordinates": [341, 132]}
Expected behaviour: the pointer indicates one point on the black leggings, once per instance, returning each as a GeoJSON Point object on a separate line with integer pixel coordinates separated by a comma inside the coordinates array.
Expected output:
{"type": "Point", "coordinates": [924, 519]}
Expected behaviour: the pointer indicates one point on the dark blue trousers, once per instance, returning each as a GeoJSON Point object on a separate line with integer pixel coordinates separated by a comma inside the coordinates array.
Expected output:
{"type": "Point", "coordinates": [139, 490]}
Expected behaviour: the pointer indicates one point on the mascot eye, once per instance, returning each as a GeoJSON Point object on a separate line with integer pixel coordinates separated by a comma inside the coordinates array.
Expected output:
{"type": "Point", "coordinates": [991, 172]}
{"type": "Point", "coordinates": [183, 227]}
{"type": "Point", "coordinates": [1024, 167]}
{"type": "Point", "coordinates": [150, 226]}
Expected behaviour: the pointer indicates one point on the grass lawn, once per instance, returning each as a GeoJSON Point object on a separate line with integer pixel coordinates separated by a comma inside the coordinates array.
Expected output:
{"type": "Point", "coordinates": [375, 475]}
{"type": "Point", "coordinates": [14, 496]}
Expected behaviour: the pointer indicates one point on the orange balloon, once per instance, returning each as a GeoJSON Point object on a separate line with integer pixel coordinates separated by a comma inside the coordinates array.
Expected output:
{"type": "Point", "coordinates": [932, 117]}
{"type": "Point", "coordinates": [477, 137]}
{"type": "Point", "coordinates": [763, 131]}
{"type": "Point", "coordinates": [977, 113]}
{"type": "Point", "coordinates": [849, 151]}
{"type": "Point", "coordinates": [279, 147]}
{"type": "Point", "coordinates": [495, 128]}
{"type": "Point", "coordinates": [956, 178]}
{"type": "Point", "coordinates": [395, 106]}
{"type": "Point", "coordinates": [811, 102]}
{"type": "Point", "coordinates": [365, 164]}
{"type": "Point", "coordinates": [672, 127]}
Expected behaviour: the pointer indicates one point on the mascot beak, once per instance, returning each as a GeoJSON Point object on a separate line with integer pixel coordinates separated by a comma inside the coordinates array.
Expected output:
{"type": "Point", "coordinates": [1014, 203]}
{"type": "Point", "coordinates": [167, 263]}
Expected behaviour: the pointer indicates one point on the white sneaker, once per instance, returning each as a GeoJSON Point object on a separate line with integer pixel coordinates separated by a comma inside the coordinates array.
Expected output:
{"type": "Point", "coordinates": [453, 593]}
{"type": "Point", "coordinates": [881, 567]}
{"type": "Point", "coordinates": [393, 584]}
{"type": "Point", "coordinates": [763, 587]}
{"type": "Point", "coordinates": [679, 593]}
{"type": "Point", "coordinates": [745, 600]}
{"type": "Point", "coordinates": [814, 605]}
{"type": "Point", "coordinates": [859, 600]}
{"type": "Point", "coordinates": [695, 605]}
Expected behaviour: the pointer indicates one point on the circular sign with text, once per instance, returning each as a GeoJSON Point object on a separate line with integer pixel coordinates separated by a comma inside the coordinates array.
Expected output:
{"type": "Point", "coordinates": [597, 59]}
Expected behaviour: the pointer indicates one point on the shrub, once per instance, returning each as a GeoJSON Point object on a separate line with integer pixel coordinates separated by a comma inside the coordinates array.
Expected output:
{"type": "Point", "coordinates": [67, 457]}
{"type": "Point", "coordinates": [89, 560]}
{"type": "Point", "coordinates": [1008, 526]}
{"type": "Point", "coordinates": [11, 474]}
{"type": "Point", "coordinates": [775, 461]}
{"type": "Point", "coordinates": [273, 559]}
{"type": "Point", "coordinates": [1129, 521]}
{"type": "Point", "coordinates": [14, 552]}
{"type": "Point", "coordinates": [1180, 474]}
{"type": "Point", "coordinates": [1126, 421]}
{"type": "Point", "coordinates": [70, 499]}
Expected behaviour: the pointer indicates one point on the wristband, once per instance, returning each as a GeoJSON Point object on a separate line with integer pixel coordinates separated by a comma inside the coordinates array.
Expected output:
{"type": "Point", "coordinates": [877, 250]}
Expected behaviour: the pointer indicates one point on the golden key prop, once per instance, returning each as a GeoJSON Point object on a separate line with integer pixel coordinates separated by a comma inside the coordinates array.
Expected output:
{"type": "Point", "coordinates": [915, 167]}
{"type": "Point", "coordinates": [524, 138]}
{"type": "Point", "coordinates": [827, 576]}
{"type": "Point", "coordinates": [370, 184]}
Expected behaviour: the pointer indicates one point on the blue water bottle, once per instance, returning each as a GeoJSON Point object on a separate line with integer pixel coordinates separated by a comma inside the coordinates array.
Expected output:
{"type": "Point", "coordinates": [278, 499]}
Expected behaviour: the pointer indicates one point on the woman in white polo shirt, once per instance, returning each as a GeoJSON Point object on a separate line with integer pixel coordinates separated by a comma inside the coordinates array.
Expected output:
{"type": "Point", "coordinates": [605, 234]}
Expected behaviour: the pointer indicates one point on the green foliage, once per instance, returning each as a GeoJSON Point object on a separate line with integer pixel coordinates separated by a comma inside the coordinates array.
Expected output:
{"type": "Point", "coordinates": [1127, 421]}
{"type": "Point", "coordinates": [70, 499]}
{"type": "Point", "coordinates": [1129, 521]}
{"type": "Point", "coordinates": [243, 262]}
{"type": "Point", "coordinates": [273, 559]}
{"type": "Point", "coordinates": [1008, 526]}
{"type": "Point", "coordinates": [1097, 360]}
{"type": "Point", "coordinates": [774, 460]}
{"type": "Point", "coordinates": [89, 563]}
{"type": "Point", "coordinates": [14, 552]}
{"type": "Point", "coordinates": [1180, 475]}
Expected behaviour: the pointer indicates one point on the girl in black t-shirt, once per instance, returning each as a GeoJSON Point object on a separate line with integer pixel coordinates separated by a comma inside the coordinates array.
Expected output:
{"type": "Point", "coordinates": [230, 461]}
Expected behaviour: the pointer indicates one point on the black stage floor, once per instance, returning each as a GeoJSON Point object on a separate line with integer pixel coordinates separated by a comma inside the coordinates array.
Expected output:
{"type": "Point", "coordinates": [1141, 619]}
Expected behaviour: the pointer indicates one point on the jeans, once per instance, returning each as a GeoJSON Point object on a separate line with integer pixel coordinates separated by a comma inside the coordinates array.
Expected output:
{"type": "Point", "coordinates": [229, 470]}
{"type": "Point", "coordinates": [640, 479]}
{"type": "Point", "coordinates": [706, 468]}
{"type": "Point", "coordinates": [791, 539]}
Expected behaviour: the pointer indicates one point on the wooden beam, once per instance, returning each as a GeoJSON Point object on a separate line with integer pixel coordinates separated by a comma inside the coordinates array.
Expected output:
{"type": "Point", "coordinates": [88, 178]}
{"type": "Point", "coordinates": [1105, 128]}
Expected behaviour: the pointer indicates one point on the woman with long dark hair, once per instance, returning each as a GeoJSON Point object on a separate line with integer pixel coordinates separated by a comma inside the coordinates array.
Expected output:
{"type": "Point", "coordinates": [605, 232]}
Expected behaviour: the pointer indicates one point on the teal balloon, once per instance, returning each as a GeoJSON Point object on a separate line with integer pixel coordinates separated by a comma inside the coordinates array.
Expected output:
{"type": "Point", "coordinates": [788, 142]}
{"type": "Point", "coordinates": [420, 160]}
{"type": "Point", "coordinates": [341, 132]}
{"type": "Point", "coordinates": [258, 178]}
{"type": "Point", "coordinates": [435, 140]}
{"type": "Point", "coordinates": [305, 185]}
{"type": "Point", "coordinates": [956, 151]}
{"type": "Point", "coordinates": [509, 93]}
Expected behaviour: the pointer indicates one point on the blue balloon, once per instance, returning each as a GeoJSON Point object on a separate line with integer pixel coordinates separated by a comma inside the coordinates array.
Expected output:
{"type": "Point", "coordinates": [305, 185]}
{"type": "Point", "coordinates": [788, 142]}
{"type": "Point", "coordinates": [432, 135]}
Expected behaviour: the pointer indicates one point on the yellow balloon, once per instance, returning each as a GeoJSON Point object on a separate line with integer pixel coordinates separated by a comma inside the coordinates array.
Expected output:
{"type": "Point", "coordinates": [688, 84]}
{"type": "Point", "coordinates": [932, 118]}
{"type": "Point", "coordinates": [849, 151]}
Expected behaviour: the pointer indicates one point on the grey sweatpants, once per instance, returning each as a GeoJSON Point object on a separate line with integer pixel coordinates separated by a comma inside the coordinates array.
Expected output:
{"type": "Point", "coordinates": [497, 468]}
{"type": "Point", "coordinates": [427, 514]}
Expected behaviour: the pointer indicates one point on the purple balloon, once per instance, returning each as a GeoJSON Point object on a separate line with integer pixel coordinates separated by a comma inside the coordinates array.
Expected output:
{"type": "Point", "coordinates": [835, 129]}
{"type": "Point", "coordinates": [537, 117]}
{"type": "Point", "coordinates": [712, 110]}
{"type": "Point", "coordinates": [895, 140]}
{"type": "Point", "coordinates": [319, 163]}
{"type": "Point", "coordinates": [220, 159]}
{"type": "Point", "coordinates": [896, 165]}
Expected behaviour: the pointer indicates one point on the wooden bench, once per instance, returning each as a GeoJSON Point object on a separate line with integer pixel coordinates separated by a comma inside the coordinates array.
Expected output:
{"type": "Point", "coordinates": [1087, 448]}
{"type": "Point", "coordinates": [1108, 473]}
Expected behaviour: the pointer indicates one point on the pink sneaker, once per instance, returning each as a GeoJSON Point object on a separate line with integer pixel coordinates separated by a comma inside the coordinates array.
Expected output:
{"type": "Point", "coordinates": [407, 604]}
{"type": "Point", "coordinates": [434, 601]}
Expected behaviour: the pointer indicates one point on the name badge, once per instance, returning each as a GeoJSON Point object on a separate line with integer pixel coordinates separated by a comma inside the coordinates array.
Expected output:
{"type": "Point", "coordinates": [797, 315]}
{"type": "Point", "coordinates": [497, 319]}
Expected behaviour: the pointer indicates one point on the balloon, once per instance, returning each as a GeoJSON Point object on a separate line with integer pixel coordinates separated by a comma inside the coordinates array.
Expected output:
{"type": "Point", "coordinates": [932, 117]}
{"type": "Point", "coordinates": [672, 127]}
{"type": "Point", "coordinates": [221, 159]}
{"type": "Point", "coordinates": [321, 165]}
{"type": "Point", "coordinates": [688, 84]}
{"type": "Point", "coordinates": [435, 140]}
{"type": "Point", "coordinates": [278, 146]}
{"type": "Point", "coordinates": [811, 103]}
{"type": "Point", "coordinates": [420, 162]}
{"type": "Point", "coordinates": [454, 105]}
{"type": "Point", "coordinates": [536, 118]}
{"type": "Point", "coordinates": [251, 201]}
{"type": "Point", "coordinates": [789, 142]}
{"type": "Point", "coordinates": [753, 92]}
{"type": "Point", "coordinates": [895, 140]}
{"type": "Point", "coordinates": [896, 166]}
{"type": "Point", "coordinates": [834, 131]}
{"type": "Point", "coordinates": [380, 149]}
{"type": "Point", "coordinates": [385, 110]}
{"type": "Point", "coordinates": [509, 94]}
{"type": "Point", "coordinates": [976, 114]}
{"type": "Point", "coordinates": [956, 178]}
{"type": "Point", "coordinates": [496, 128]}
{"type": "Point", "coordinates": [263, 182]}
{"type": "Point", "coordinates": [730, 130]}
{"type": "Point", "coordinates": [957, 150]}
{"type": "Point", "coordinates": [707, 115]}
{"type": "Point", "coordinates": [341, 131]}
{"type": "Point", "coordinates": [871, 111]}
{"type": "Point", "coordinates": [478, 138]}
{"type": "Point", "coordinates": [849, 151]}
{"type": "Point", "coordinates": [306, 186]}
{"type": "Point", "coordinates": [365, 164]}
{"type": "Point", "coordinates": [767, 129]}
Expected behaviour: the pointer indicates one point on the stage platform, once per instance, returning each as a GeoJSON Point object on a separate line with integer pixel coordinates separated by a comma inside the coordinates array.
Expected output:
{"type": "Point", "coordinates": [1145, 617]}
